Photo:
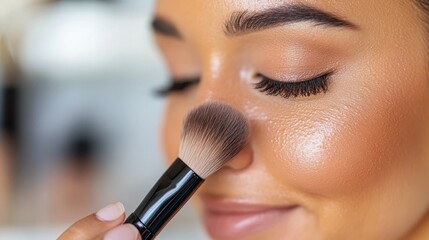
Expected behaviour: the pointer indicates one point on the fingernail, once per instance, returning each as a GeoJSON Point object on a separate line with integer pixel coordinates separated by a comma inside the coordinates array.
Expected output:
{"type": "Point", "coordinates": [123, 232]}
{"type": "Point", "coordinates": [111, 212]}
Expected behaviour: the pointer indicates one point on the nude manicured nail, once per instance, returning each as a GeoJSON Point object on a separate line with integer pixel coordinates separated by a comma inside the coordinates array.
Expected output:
{"type": "Point", "coordinates": [111, 212]}
{"type": "Point", "coordinates": [123, 232]}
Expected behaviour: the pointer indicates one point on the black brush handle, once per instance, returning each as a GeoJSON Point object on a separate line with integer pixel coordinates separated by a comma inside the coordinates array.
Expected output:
{"type": "Point", "coordinates": [165, 199]}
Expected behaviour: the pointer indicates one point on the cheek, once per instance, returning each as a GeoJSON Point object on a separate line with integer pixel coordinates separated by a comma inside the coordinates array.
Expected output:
{"type": "Point", "coordinates": [325, 156]}
{"type": "Point", "coordinates": [346, 146]}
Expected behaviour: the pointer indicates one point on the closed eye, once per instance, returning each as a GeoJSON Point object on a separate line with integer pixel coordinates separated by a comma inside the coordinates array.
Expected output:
{"type": "Point", "coordinates": [178, 85]}
{"type": "Point", "coordinates": [305, 88]}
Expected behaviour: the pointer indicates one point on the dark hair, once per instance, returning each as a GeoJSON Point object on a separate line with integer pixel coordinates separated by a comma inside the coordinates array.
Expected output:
{"type": "Point", "coordinates": [424, 5]}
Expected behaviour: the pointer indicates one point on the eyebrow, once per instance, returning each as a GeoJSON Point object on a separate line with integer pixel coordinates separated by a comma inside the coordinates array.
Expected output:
{"type": "Point", "coordinates": [164, 27]}
{"type": "Point", "coordinates": [243, 22]}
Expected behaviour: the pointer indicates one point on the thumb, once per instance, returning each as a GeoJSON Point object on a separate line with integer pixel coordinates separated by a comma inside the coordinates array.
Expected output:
{"type": "Point", "coordinates": [95, 226]}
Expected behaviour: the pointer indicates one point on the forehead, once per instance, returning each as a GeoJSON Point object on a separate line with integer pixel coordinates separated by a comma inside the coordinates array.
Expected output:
{"type": "Point", "coordinates": [209, 16]}
{"type": "Point", "coordinates": [207, 9]}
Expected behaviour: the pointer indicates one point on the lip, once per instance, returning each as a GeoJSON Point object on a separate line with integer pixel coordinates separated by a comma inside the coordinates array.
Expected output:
{"type": "Point", "coordinates": [237, 218]}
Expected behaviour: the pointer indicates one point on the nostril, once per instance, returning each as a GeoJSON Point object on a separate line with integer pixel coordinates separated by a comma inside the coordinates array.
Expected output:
{"type": "Point", "coordinates": [242, 160]}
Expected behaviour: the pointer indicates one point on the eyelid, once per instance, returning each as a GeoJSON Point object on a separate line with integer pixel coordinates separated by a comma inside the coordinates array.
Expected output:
{"type": "Point", "coordinates": [298, 79]}
{"type": "Point", "coordinates": [178, 85]}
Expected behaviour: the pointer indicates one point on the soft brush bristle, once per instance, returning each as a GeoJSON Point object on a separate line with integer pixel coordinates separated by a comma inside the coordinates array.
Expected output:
{"type": "Point", "coordinates": [213, 133]}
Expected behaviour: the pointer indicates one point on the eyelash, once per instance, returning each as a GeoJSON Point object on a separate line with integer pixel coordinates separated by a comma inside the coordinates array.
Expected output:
{"type": "Point", "coordinates": [178, 85]}
{"type": "Point", "coordinates": [304, 88]}
{"type": "Point", "coordinates": [266, 85]}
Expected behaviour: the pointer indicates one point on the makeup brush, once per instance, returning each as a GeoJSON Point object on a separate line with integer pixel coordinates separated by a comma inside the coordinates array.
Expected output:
{"type": "Point", "coordinates": [212, 134]}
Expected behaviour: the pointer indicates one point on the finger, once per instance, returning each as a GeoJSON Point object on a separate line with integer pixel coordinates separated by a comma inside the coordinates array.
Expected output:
{"type": "Point", "coordinates": [123, 232]}
{"type": "Point", "coordinates": [95, 225]}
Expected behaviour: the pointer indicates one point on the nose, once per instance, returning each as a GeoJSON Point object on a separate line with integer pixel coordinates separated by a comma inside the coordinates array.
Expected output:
{"type": "Point", "coordinates": [242, 160]}
{"type": "Point", "coordinates": [228, 89]}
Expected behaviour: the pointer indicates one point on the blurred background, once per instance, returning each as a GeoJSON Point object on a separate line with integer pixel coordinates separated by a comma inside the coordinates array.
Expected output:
{"type": "Point", "coordinates": [80, 119]}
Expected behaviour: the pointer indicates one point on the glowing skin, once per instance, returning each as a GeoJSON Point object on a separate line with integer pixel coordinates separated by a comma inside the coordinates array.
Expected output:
{"type": "Point", "coordinates": [352, 163]}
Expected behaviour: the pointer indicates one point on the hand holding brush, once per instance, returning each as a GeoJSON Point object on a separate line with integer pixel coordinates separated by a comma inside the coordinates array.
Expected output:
{"type": "Point", "coordinates": [213, 133]}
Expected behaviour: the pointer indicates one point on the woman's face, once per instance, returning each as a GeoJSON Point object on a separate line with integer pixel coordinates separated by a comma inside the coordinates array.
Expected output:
{"type": "Point", "coordinates": [337, 97]}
